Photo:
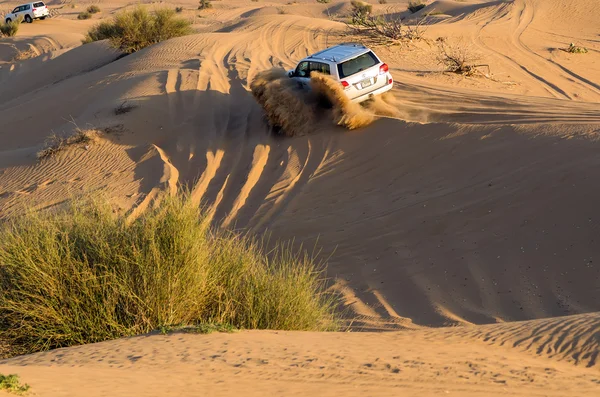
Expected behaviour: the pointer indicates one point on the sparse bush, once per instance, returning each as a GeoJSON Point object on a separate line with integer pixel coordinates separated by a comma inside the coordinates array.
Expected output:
{"type": "Point", "coordinates": [124, 108]}
{"type": "Point", "coordinates": [458, 58]}
{"type": "Point", "coordinates": [178, 9]}
{"type": "Point", "coordinates": [93, 9]}
{"type": "Point", "coordinates": [9, 29]}
{"type": "Point", "coordinates": [11, 384]}
{"type": "Point", "coordinates": [130, 31]}
{"type": "Point", "coordinates": [57, 143]}
{"type": "Point", "coordinates": [573, 49]}
{"type": "Point", "coordinates": [204, 5]}
{"type": "Point", "coordinates": [324, 1]}
{"type": "Point", "coordinates": [382, 1]}
{"type": "Point", "coordinates": [361, 9]}
{"type": "Point", "coordinates": [386, 28]}
{"type": "Point", "coordinates": [84, 274]}
{"type": "Point", "coordinates": [414, 6]}
{"type": "Point", "coordinates": [84, 15]}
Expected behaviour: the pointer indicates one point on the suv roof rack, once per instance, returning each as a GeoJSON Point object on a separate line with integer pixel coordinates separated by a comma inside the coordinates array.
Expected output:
{"type": "Point", "coordinates": [333, 58]}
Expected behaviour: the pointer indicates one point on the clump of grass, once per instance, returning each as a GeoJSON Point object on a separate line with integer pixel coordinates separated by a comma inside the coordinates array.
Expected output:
{"type": "Point", "coordinates": [10, 29]}
{"type": "Point", "coordinates": [361, 8]}
{"type": "Point", "coordinates": [85, 274]}
{"type": "Point", "coordinates": [204, 5]}
{"type": "Point", "coordinates": [124, 108]}
{"type": "Point", "coordinates": [84, 15]}
{"type": "Point", "coordinates": [415, 5]}
{"type": "Point", "coordinates": [57, 143]}
{"type": "Point", "coordinates": [93, 9]}
{"type": "Point", "coordinates": [11, 384]}
{"type": "Point", "coordinates": [178, 9]}
{"type": "Point", "coordinates": [130, 31]}
{"type": "Point", "coordinates": [382, 1]}
{"type": "Point", "coordinates": [573, 49]}
{"type": "Point", "coordinates": [324, 1]}
{"type": "Point", "coordinates": [202, 328]}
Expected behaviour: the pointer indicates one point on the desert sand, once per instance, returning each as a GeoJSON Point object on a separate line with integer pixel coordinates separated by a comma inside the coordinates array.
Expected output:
{"type": "Point", "coordinates": [464, 222]}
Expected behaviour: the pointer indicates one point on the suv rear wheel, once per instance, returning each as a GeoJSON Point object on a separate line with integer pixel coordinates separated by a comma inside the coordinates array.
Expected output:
{"type": "Point", "coordinates": [28, 19]}
{"type": "Point", "coordinates": [8, 20]}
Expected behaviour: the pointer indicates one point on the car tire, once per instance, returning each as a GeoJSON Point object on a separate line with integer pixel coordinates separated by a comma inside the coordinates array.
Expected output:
{"type": "Point", "coordinates": [28, 19]}
{"type": "Point", "coordinates": [8, 20]}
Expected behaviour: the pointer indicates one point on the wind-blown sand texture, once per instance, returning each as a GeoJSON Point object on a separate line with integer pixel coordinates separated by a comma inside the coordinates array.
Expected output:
{"type": "Point", "coordinates": [472, 201]}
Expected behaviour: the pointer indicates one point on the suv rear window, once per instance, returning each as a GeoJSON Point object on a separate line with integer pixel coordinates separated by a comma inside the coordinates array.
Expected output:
{"type": "Point", "coordinates": [38, 4]}
{"type": "Point", "coordinates": [357, 64]}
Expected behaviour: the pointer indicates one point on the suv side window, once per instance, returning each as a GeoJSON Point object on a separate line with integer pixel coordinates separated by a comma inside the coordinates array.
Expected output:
{"type": "Point", "coordinates": [27, 7]}
{"type": "Point", "coordinates": [17, 9]}
{"type": "Point", "coordinates": [320, 67]}
{"type": "Point", "coordinates": [302, 70]}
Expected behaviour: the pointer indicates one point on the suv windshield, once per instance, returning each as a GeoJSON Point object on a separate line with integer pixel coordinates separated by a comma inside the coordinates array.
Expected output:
{"type": "Point", "coordinates": [38, 4]}
{"type": "Point", "coordinates": [357, 64]}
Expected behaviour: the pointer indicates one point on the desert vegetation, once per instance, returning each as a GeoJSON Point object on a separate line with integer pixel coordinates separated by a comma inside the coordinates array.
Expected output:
{"type": "Point", "coordinates": [93, 9]}
{"type": "Point", "coordinates": [56, 143]}
{"type": "Point", "coordinates": [10, 29]}
{"type": "Point", "coordinates": [415, 5]}
{"type": "Point", "coordinates": [86, 274]}
{"type": "Point", "coordinates": [384, 28]}
{"type": "Point", "coordinates": [130, 31]}
{"type": "Point", "coordinates": [204, 5]}
{"type": "Point", "coordinates": [12, 384]}
{"type": "Point", "coordinates": [458, 57]}
{"type": "Point", "coordinates": [84, 15]}
{"type": "Point", "coordinates": [574, 49]}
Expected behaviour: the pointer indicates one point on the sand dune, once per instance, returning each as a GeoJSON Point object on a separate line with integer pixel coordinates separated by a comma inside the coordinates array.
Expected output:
{"type": "Point", "coordinates": [423, 362]}
{"type": "Point", "coordinates": [468, 201]}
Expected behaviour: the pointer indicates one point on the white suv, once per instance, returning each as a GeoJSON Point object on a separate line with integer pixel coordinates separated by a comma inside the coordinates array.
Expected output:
{"type": "Point", "coordinates": [28, 12]}
{"type": "Point", "coordinates": [356, 67]}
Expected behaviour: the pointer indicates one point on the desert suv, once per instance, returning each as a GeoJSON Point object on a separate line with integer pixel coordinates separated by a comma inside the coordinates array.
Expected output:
{"type": "Point", "coordinates": [28, 12]}
{"type": "Point", "coordinates": [360, 72]}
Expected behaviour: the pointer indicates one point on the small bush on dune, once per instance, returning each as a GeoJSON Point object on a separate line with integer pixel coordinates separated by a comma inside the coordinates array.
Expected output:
{"type": "Point", "coordinates": [204, 4]}
{"type": "Point", "coordinates": [382, 1]}
{"type": "Point", "coordinates": [414, 6]}
{"type": "Point", "coordinates": [573, 49]}
{"type": "Point", "coordinates": [324, 1]}
{"type": "Point", "coordinates": [56, 143]}
{"type": "Point", "coordinates": [458, 58]}
{"type": "Point", "coordinates": [93, 9]}
{"type": "Point", "coordinates": [11, 384]}
{"type": "Point", "coordinates": [10, 29]}
{"type": "Point", "coordinates": [130, 31]}
{"type": "Point", "coordinates": [178, 9]}
{"type": "Point", "coordinates": [85, 274]}
{"type": "Point", "coordinates": [84, 15]}
{"type": "Point", "coordinates": [361, 8]}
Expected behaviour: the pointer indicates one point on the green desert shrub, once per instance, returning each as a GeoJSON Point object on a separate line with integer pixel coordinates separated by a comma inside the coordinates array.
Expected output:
{"type": "Point", "coordinates": [178, 9]}
{"type": "Point", "coordinates": [414, 6]}
{"type": "Point", "coordinates": [9, 29]}
{"type": "Point", "coordinates": [12, 384]}
{"type": "Point", "coordinates": [84, 15]}
{"type": "Point", "coordinates": [84, 274]}
{"type": "Point", "coordinates": [323, 1]}
{"type": "Point", "coordinates": [93, 9]}
{"type": "Point", "coordinates": [130, 31]}
{"type": "Point", "coordinates": [573, 49]}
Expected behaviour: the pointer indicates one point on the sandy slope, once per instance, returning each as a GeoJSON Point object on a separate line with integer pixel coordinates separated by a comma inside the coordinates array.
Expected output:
{"type": "Point", "coordinates": [475, 203]}
{"type": "Point", "coordinates": [495, 360]}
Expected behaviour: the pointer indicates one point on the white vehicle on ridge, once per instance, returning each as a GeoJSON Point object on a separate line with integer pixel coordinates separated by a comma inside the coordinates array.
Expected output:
{"type": "Point", "coordinates": [28, 12]}
{"type": "Point", "coordinates": [357, 68]}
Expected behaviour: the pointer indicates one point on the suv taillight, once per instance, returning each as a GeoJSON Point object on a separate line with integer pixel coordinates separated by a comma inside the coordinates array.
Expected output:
{"type": "Point", "coordinates": [383, 68]}
{"type": "Point", "coordinates": [35, 9]}
{"type": "Point", "coordinates": [345, 84]}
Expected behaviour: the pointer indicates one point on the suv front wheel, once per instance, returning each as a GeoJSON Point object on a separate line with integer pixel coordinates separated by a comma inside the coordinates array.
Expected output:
{"type": "Point", "coordinates": [8, 20]}
{"type": "Point", "coordinates": [28, 19]}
